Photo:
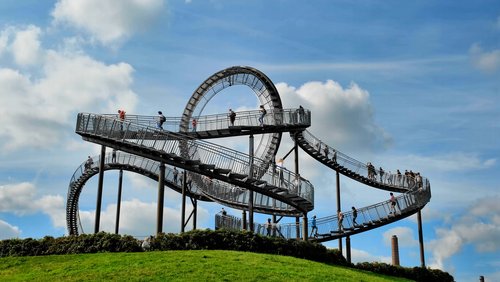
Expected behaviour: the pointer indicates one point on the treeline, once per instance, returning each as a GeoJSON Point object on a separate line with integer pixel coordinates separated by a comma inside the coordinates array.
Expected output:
{"type": "Point", "coordinates": [205, 240]}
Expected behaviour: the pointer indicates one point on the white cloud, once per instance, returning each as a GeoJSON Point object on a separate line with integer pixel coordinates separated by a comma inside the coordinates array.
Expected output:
{"type": "Point", "coordinates": [107, 21]}
{"type": "Point", "coordinates": [363, 256]}
{"type": "Point", "coordinates": [138, 218]}
{"type": "Point", "coordinates": [55, 207]}
{"type": "Point", "coordinates": [452, 162]}
{"type": "Point", "coordinates": [8, 231]}
{"type": "Point", "coordinates": [404, 234]}
{"type": "Point", "coordinates": [26, 46]}
{"type": "Point", "coordinates": [38, 107]}
{"type": "Point", "coordinates": [21, 199]}
{"type": "Point", "coordinates": [484, 60]}
{"type": "Point", "coordinates": [342, 117]}
{"type": "Point", "coordinates": [479, 228]}
{"type": "Point", "coordinates": [17, 198]}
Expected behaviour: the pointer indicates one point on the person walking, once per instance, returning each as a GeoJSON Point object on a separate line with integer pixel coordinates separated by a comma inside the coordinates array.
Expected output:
{"type": "Point", "coordinates": [314, 228]}
{"type": "Point", "coordinates": [341, 219]}
{"type": "Point", "coordinates": [269, 227]}
{"type": "Point", "coordinates": [354, 216]}
{"type": "Point", "coordinates": [89, 163]}
{"type": "Point", "coordinates": [232, 117]}
{"type": "Point", "coordinates": [262, 114]}
{"type": "Point", "coordinates": [393, 203]}
{"type": "Point", "coordinates": [160, 120]}
{"type": "Point", "coordinates": [121, 116]}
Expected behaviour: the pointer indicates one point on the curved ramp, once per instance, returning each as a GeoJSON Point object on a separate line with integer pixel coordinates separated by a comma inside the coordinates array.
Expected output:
{"type": "Point", "coordinates": [231, 195]}
{"type": "Point", "coordinates": [416, 193]}
{"type": "Point", "coordinates": [215, 162]}
{"type": "Point", "coordinates": [122, 161]}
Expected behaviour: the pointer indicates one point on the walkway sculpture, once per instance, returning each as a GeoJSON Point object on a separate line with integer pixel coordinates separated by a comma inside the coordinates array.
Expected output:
{"type": "Point", "coordinates": [242, 181]}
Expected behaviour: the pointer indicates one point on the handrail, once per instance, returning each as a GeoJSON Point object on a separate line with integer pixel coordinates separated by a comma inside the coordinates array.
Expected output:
{"type": "Point", "coordinates": [238, 197]}
{"type": "Point", "coordinates": [367, 218]}
{"type": "Point", "coordinates": [385, 179]}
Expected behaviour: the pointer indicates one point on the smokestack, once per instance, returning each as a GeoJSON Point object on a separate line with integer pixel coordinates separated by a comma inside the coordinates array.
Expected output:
{"type": "Point", "coordinates": [395, 250]}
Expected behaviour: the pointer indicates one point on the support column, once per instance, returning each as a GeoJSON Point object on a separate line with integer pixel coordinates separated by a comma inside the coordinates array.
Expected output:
{"type": "Point", "coordinates": [338, 207]}
{"type": "Point", "coordinates": [119, 201]}
{"type": "Point", "coordinates": [297, 227]}
{"type": "Point", "coordinates": [161, 195]}
{"type": "Point", "coordinates": [421, 238]}
{"type": "Point", "coordinates": [195, 210]}
{"type": "Point", "coordinates": [99, 189]}
{"type": "Point", "coordinates": [297, 219]}
{"type": "Point", "coordinates": [250, 175]}
{"type": "Point", "coordinates": [348, 248]}
{"type": "Point", "coordinates": [305, 230]}
{"type": "Point", "coordinates": [244, 220]}
{"type": "Point", "coordinates": [183, 208]}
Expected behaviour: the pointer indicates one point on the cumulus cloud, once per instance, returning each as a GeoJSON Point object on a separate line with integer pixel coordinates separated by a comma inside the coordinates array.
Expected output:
{"type": "Point", "coordinates": [17, 198]}
{"type": "Point", "coordinates": [21, 199]}
{"type": "Point", "coordinates": [39, 106]}
{"type": "Point", "coordinates": [487, 61]}
{"type": "Point", "coordinates": [453, 162]}
{"type": "Point", "coordinates": [364, 256]}
{"type": "Point", "coordinates": [26, 46]}
{"type": "Point", "coordinates": [138, 218]}
{"type": "Point", "coordinates": [479, 228]}
{"type": "Point", "coordinates": [107, 21]}
{"type": "Point", "coordinates": [404, 234]}
{"type": "Point", "coordinates": [8, 231]}
{"type": "Point", "coordinates": [342, 117]}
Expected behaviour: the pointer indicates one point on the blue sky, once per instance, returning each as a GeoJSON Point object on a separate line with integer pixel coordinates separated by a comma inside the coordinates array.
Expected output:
{"type": "Point", "coordinates": [405, 85]}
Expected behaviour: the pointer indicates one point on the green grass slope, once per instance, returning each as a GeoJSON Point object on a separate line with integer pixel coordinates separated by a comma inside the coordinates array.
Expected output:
{"type": "Point", "coordinates": [204, 265]}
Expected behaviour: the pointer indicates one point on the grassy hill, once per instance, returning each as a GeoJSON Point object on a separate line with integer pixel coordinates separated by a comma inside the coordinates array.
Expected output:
{"type": "Point", "coordinates": [196, 265]}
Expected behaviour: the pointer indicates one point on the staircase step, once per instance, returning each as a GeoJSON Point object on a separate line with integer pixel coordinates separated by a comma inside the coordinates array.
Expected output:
{"type": "Point", "coordinates": [207, 166]}
{"type": "Point", "coordinates": [222, 170]}
{"type": "Point", "coordinates": [237, 175]}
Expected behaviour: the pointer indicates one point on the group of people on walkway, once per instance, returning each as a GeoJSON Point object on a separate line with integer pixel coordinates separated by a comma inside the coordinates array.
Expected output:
{"type": "Point", "coordinates": [408, 179]}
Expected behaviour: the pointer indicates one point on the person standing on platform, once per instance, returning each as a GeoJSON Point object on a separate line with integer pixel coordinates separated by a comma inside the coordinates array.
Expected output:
{"type": "Point", "coordinates": [176, 173]}
{"type": "Point", "coordinates": [194, 123]}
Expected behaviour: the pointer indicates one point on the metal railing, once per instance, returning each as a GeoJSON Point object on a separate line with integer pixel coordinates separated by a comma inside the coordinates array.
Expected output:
{"type": "Point", "coordinates": [362, 170]}
{"type": "Point", "coordinates": [330, 227]}
{"type": "Point", "coordinates": [124, 160]}
{"type": "Point", "coordinates": [155, 141]}
{"type": "Point", "coordinates": [275, 117]}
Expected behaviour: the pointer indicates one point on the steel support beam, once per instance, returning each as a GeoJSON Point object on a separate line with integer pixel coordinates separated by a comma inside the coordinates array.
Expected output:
{"type": "Point", "coordinates": [119, 202]}
{"type": "Point", "coordinates": [161, 196]}
{"type": "Point", "coordinates": [421, 239]}
{"type": "Point", "coordinates": [99, 190]}
{"type": "Point", "coordinates": [250, 172]}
